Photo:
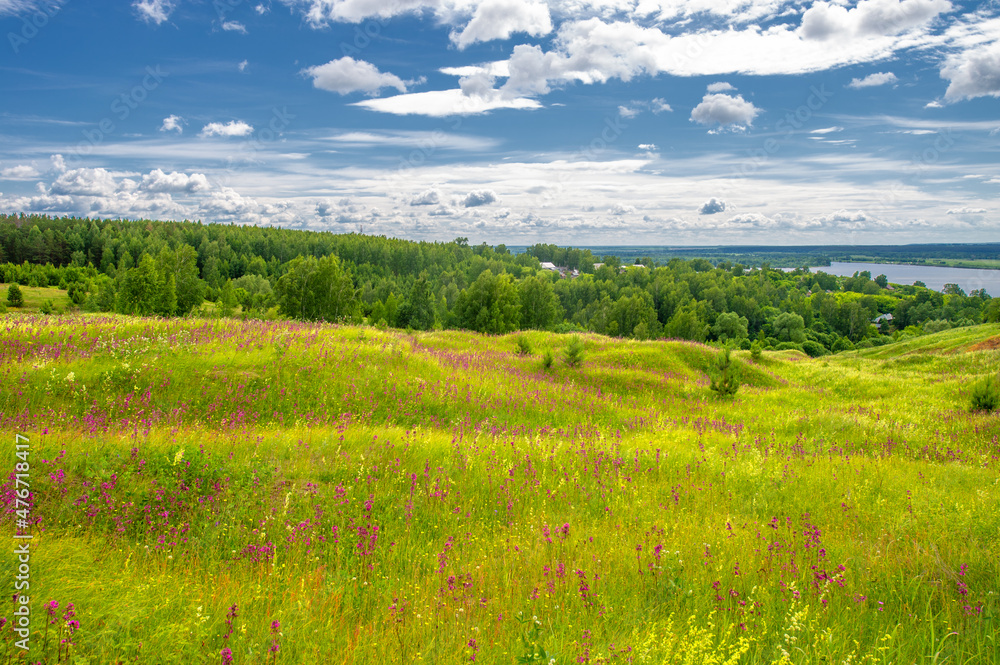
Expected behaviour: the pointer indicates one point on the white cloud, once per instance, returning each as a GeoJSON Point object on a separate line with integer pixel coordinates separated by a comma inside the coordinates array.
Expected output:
{"type": "Point", "coordinates": [499, 19]}
{"type": "Point", "coordinates": [228, 203]}
{"type": "Point", "coordinates": [20, 172]}
{"type": "Point", "coordinates": [154, 11]}
{"type": "Point", "coordinates": [966, 211]}
{"type": "Point", "coordinates": [826, 130]}
{"type": "Point", "coordinates": [173, 123]}
{"type": "Point", "coordinates": [85, 182]}
{"type": "Point", "coordinates": [229, 129]}
{"type": "Point", "coordinates": [441, 103]}
{"type": "Point", "coordinates": [725, 111]}
{"type": "Point", "coordinates": [158, 181]}
{"type": "Point", "coordinates": [479, 197]}
{"type": "Point", "coordinates": [620, 209]}
{"type": "Point", "coordinates": [430, 197]}
{"type": "Point", "coordinates": [647, 146]}
{"type": "Point", "coordinates": [712, 206]}
{"type": "Point", "coordinates": [873, 80]}
{"type": "Point", "coordinates": [58, 163]}
{"type": "Point", "coordinates": [627, 112]}
{"type": "Point", "coordinates": [721, 86]}
{"type": "Point", "coordinates": [348, 75]}
{"type": "Point", "coordinates": [875, 18]}
{"type": "Point", "coordinates": [243, 65]}
{"type": "Point", "coordinates": [660, 106]}
{"type": "Point", "coordinates": [234, 26]}
{"type": "Point", "coordinates": [973, 73]}
{"type": "Point", "coordinates": [261, 9]}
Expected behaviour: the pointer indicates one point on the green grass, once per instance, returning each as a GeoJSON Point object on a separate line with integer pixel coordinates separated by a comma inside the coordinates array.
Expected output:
{"type": "Point", "coordinates": [845, 508]}
{"type": "Point", "coordinates": [34, 296]}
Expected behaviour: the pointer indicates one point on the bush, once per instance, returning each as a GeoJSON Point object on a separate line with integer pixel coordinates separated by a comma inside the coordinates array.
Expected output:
{"type": "Point", "coordinates": [725, 379]}
{"type": "Point", "coordinates": [14, 296]}
{"type": "Point", "coordinates": [573, 353]}
{"type": "Point", "coordinates": [46, 307]}
{"type": "Point", "coordinates": [986, 396]}
{"type": "Point", "coordinates": [745, 344]}
{"type": "Point", "coordinates": [814, 349]}
{"type": "Point", "coordinates": [523, 346]}
{"type": "Point", "coordinates": [842, 344]}
{"type": "Point", "coordinates": [756, 352]}
{"type": "Point", "coordinates": [788, 346]}
{"type": "Point", "coordinates": [548, 359]}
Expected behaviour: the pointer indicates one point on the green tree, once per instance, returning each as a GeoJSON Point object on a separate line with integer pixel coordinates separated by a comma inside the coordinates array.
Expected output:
{"type": "Point", "coordinates": [14, 296]}
{"type": "Point", "coordinates": [730, 326]}
{"type": "Point", "coordinates": [789, 327]}
{"type": "Point", "coordinates": [418, 310]}
{"type": "Point", "coordinates": [724, 376]}
{"type": "Point", "coordinates": [539, 304]}
{"type": "Point", "coordinates": [166, 304]}
{"type": "Point", "coordinates": [316, 290]}
{"type": "Point", "coordinates": [140, 288]}
{"type": "Point", "coordinates": [490, 305]}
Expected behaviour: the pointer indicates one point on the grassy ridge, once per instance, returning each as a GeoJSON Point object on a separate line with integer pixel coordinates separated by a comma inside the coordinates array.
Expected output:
{"type": "Point", "coordinates": [388, 497]}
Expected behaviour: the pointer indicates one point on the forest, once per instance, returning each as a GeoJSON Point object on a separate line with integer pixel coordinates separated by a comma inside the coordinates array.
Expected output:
{"type": "Point", "coordinates": [189, 268]}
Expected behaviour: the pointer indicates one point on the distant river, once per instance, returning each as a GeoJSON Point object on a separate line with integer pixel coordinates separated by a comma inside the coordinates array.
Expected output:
{"type": "Point", "coordinates": [935, 277]}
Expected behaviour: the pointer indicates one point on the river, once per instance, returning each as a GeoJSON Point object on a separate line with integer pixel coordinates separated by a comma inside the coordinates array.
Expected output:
{"type": "Point", "coordinates": [935, 277]}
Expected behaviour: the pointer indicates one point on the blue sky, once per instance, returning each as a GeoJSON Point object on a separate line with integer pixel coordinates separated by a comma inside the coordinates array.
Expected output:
{"type": "Point", "coordinates": [675, 122]}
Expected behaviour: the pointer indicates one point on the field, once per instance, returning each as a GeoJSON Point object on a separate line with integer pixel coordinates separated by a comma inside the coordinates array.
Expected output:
{"type": "Point", "coordinates": [34, 296]}
{"type": "Point", "coordinates": [221, 491]}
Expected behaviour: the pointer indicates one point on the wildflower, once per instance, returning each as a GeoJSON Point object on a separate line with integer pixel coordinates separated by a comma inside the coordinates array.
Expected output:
{"type": "Point", "coordinates": [227, 655]}
{"type": "Point", "coordinates": [70, 377]}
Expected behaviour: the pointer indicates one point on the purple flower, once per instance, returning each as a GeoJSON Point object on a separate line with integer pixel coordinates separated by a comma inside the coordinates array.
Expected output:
{"type": "Point", "coordinates": [227, 655]}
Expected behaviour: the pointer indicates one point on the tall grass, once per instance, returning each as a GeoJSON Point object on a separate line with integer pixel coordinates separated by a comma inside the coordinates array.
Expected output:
{"type": "Point", "coordinates": [440, 498]}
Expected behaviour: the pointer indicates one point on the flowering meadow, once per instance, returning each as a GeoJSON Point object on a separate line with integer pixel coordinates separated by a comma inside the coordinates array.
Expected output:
{"type": "Point", "coordinates": [223, 491]}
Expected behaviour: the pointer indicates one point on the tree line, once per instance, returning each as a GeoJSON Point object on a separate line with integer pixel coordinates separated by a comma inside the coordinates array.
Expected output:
{"type": "Point", "coordinates": [180, 268]}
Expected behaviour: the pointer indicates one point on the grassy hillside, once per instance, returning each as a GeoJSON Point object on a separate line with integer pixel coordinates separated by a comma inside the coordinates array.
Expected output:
{"type": "Point", "coordinates": [284, 492]}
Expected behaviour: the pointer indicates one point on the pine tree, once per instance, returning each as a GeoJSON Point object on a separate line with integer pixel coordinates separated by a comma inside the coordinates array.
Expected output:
{"type": "Point", "coordinates": [725, 380]}
{"type": "Point", "coordinates": [14, 296]}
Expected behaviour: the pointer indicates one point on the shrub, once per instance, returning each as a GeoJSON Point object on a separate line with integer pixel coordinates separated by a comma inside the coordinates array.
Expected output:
{"type": "Point", "coordinates": [46, 307]}
{"type": "Point", "coordinates": [523, 346]}
{"type": "Point", "coordinates": [986, 396]}
{"type": "Point", "coordinates": [14, 296]}
{"type": "Point", "coordinates": [814, 349]}
{"type": "Point", "coordinates": [548, 359]}
{"type": "Point", "coordinates": [573, 353]}
{"type": "Point", "coordinates": [842, 344]}
{"type": "Point", "coordinates": [788, 346]}
{"type": "Point", "coordinates": [756, 352]}
{"type": "Point", "coordinates": [725, 378]}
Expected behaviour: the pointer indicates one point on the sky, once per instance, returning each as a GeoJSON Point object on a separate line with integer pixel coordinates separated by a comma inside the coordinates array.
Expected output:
{"type": "Point", "coordinates": [575, 122]}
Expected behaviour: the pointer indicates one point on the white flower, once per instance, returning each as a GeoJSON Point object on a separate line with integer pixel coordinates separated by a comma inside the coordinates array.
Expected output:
{"type": "Point", "coordinates": [70, 377]}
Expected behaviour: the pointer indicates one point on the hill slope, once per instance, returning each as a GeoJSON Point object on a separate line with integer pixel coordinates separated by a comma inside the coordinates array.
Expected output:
{"type": "Point", "coordinates": [396, 497]}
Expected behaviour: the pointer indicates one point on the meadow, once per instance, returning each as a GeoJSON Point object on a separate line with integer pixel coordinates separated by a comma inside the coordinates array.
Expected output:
{"type": "Point", "coordinates": [225, 491]}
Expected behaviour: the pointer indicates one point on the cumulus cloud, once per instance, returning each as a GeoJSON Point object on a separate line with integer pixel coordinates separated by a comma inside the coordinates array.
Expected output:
{"type": "Point", "coordinates": [479, 197]}
{"type": "Point", "coordinates": [229, 129]}
{"type": "Point", "coordinates": [828, 21]}
{"type": "Point", "coordinates": [873, 80]}
{"type": "Point", "coordinates": [712, 206]}
{"type": "Point", "coordinates": [234, 26]}
{"type": "Point", "coordinates": [647, 146]}
{"type": "Point", "coordinates": [620, 209]}
{"type": "Point", "coordinates": [973, 73]}
{"type": "Point", "coordinates": [229, 203]}
{"type": "Point", "coordinates": [430, 197]}
{"type": "Point", "coordinates": [725, 111]}
{"type": "Point", "coordinates": [158, 181]}
{"type": "Point", "coordinates": [499, 19]}
{"type": "Point", "coordinates": [721, 86]}
{"type": "Point", "coordinates": [348, 75]}
{"type": "Point", "coordinates": [173, 123]}
{"type": "Point", "coordinates": [20, 172]}
{"type": "Point", "coordinates": [85, 182]}
{"type": "Point", "coordinates": [243, 65]}
{"type": "Point", "coordinates": [966, 211]}
{"type": "Point", "coordinates": [154, 11]}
